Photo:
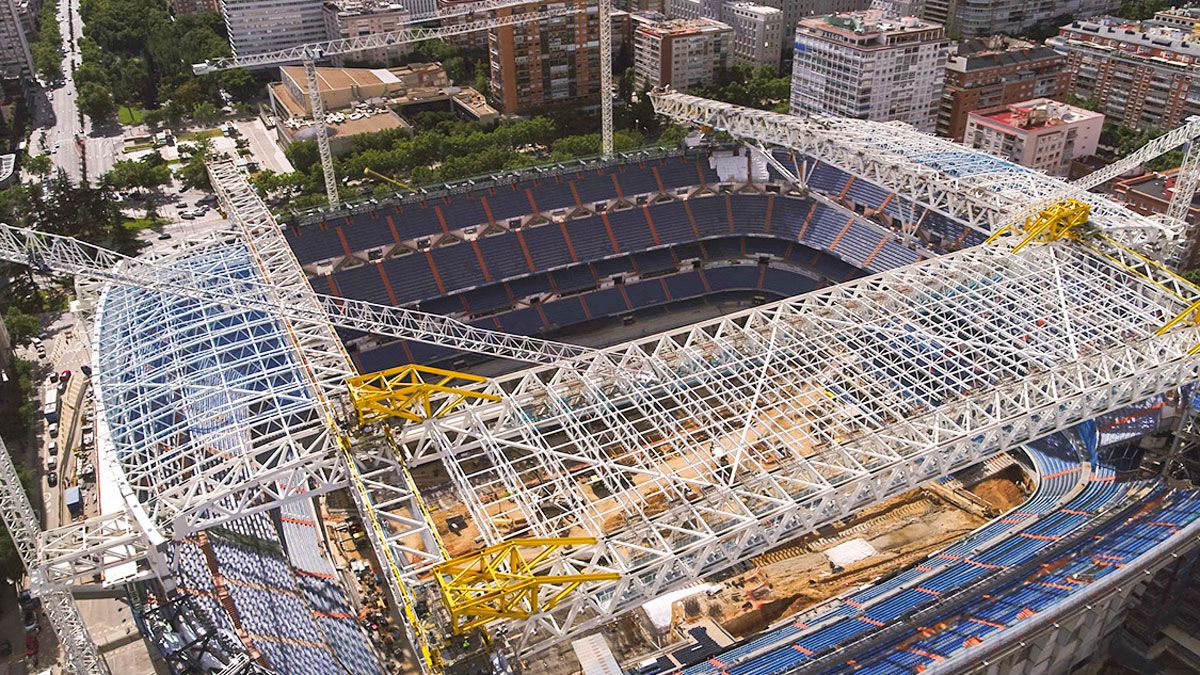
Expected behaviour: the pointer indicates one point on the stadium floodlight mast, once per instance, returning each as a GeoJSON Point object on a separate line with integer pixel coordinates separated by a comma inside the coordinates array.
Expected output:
{"type": "Point", "coordinates": [410, 31]}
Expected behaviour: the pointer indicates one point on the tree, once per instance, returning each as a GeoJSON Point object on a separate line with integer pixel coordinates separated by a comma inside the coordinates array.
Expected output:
{"type": "Point", "coordinates": [144, 174]}
{"type": "Point", "coordinates": [21, 327]}
{"type": "Point", "coordinates": [1143, 9]}
{"type": "Point", "coordinates": [206, 113]}
{"type": "Point", "coordinates": [240, 84]}
{"type": "Point", "coordinates": [39, 165]}
{"type": "Point", "coordinates": [95, 102]}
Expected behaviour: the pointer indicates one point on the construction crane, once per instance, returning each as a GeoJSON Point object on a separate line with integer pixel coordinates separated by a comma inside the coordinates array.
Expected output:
{"type": "Point", "coordinates": [83, 657]}
{"type": "Point", "coordinates": [413, 31]}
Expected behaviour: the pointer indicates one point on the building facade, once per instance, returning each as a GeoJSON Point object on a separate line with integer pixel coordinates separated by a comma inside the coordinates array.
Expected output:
{"type": "Point", "coordinates": [1150, 194]}
{"type": "Point", "coordinates": [679, 53]}
{"type": "Point", "coordinates": [181, 7]}
{"type": "Point", "coordinates": [870, 66]}
{"type": "Point", "coordinates": [260, 26]}
{"type": "Point", "coordinates": [757, 33]}
{"type": "Point", "coordinates": [357, 18]}
{"type": "Point", "coordinates": [16, 62]}
{"type": "Point", "coordinates": [977, 18]}
{"type": "Point", "coordinates": [1140, 75]}
{"type": "Point", "coordinates": [985, 73]}
{"type": "Point", "coordinates": [1040, 134]}
{"type": "Point", "coordinates": [551, 62]}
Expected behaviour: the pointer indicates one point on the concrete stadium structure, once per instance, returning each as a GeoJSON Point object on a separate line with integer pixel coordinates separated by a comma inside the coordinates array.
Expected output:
{"type": "Point", "coordinates": [882, 345]}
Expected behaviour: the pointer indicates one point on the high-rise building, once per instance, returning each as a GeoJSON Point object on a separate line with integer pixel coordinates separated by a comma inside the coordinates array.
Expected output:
{"type": "Point", "coordinates": [15, 60]}
{"type": "Point", "coordinates": [1139, 74]}
{"type": "Point", "coordinates": [758, 28]}
{"type": "Point", "coordinates": [260, 26]}
{"type": "Point", "coordinates": [679, 53]}
{"type": "Point", "coordinates": [357, 18]}
{"type": "Point", "coordinates": [870, 66]}
{"type": "Point", "coordinates": [181, 7]}
{"type": "Point", "coordinates": [1040, 134]}
{"type": "Point", "coordinates": [794, 10]}
{"type": "Point", "coordinates": [757, 33]}
{"type": "Point", "coordinates": [984, 73]}
{"type": "Point", "coordinates": [551, 62]}
{"type": "Point", "coordinates": [975, 18]}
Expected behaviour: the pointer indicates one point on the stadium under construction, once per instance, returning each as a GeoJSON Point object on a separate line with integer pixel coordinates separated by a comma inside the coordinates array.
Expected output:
{"type": "Point", "coordinates": [834, 396]}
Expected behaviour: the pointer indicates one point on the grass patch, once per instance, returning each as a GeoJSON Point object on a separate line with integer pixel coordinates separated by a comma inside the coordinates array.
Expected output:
{"type": "Point", "coordinates": [144, 223]}
{"type": "Point", "coordinates": [197, 135]}
{"type": "Point", "coordinates": [137, 146]}
{"type": "Point", "coordinates": [130, 116]}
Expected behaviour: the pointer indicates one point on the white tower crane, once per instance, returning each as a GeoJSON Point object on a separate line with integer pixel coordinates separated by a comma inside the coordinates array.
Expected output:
{"type": "Point", "coordinates": [413, 31]}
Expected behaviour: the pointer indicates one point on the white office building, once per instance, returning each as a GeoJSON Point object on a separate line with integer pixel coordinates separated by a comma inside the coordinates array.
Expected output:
{"type": "Point", "coordinates": [757, 33]}
{"type": "Point", "coordinates": [870, 66]}
{"type": "Point", "coordinates": [260, 26]}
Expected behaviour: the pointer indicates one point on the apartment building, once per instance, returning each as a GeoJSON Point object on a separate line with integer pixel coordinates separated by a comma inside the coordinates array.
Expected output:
{"type": "Point", "coordinates": [1140, 74]}
{"type": "Point", "coordinates": [181, 7]}
{"type": "Point", "coordinates": [871, 66]}
{"type": "Point", "coordinates": [16, 62]}
{"type": "Point", "coordinates": [757, 33]}
{"type": "Point", "coordinates": [1040, 134]}
{"type": "Point", "coordinates": [358, 18]}
{"type": "Point", "coordinates": [551, 62]}
{"type": "Point", "coordinates": [1152, 193]}
{"type": "Point", "coordinates": [977, 18]}
{"type": "Point", "coordinates": [679, 53]}
{"type": "Point", "coordinates": [260, 26]}
{"type": "Point", "coordinates": [986, 73]}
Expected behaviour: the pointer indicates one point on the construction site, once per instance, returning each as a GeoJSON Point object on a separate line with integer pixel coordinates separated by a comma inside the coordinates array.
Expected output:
{"type": "Point", "coordinates": [863, 398]}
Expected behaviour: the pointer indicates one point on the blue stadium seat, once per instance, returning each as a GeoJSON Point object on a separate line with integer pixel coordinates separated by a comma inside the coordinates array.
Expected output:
{"type": "Point", "coordinates": [503, 256]}
{"type": "Point", "coordinates": [630, 229]}
{"type": "Point", "coordinates": [547, 246]}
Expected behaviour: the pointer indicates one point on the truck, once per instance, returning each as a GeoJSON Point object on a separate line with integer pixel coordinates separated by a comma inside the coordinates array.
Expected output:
{"type": "Point", "coordinates": [74, 501]}
{"type": "Point", "coordinates": [50, 403]}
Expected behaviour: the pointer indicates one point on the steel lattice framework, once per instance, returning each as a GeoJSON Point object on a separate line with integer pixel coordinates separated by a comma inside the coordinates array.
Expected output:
{"type": "Point", "coordinates": [680, 454]}
{"type": "Point", "coordinates": [795, 414]}
{"type": "Point", "coordinates": [969, 186]}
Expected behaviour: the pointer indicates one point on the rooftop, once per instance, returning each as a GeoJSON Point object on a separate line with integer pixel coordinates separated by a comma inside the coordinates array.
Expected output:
{"type": "Point", "coordinates": [350, 7]}
{"type": "Point", "coordinates": [655, 26]}
{"type": "Point", "coordinates": [869, 22]}
{"type": "Point", "coordinates": [1038, 113]}
{"type": "Point", "coordinates": [1157, 185]}
{"type": "Point", "coordinates": [996, 51]}
{"type": "Point", "coordinates": [1148, 39]}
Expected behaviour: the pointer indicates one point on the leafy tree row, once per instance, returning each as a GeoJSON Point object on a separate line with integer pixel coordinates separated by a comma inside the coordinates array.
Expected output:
{"type": "Point", "coordinates": [135, 54]}
{"type": "Point", "coordinates": [761, 87]}
{"type": "Point", "coordinates": [46, 47]}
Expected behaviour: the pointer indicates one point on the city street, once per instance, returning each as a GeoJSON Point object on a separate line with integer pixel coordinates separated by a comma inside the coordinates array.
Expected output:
{"type": "Point", "coordinates": [57, 129]}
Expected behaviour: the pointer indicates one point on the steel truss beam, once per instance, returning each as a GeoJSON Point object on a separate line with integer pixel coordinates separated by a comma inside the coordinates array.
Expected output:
{"type": "Point", "coordinates": [790, 416]}
{"type": "Point", "coordinates": [63, 255]}
{"type": "Point", "coordinates": [82, 656]}
{"type": "Point", "coordinates": [966, 185]}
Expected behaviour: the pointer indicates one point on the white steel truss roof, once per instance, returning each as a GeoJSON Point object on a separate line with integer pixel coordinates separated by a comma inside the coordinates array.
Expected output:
{"type": "Point", "coordinates": [782, 418]}
{"type": "Point", "coordinates": [967, 185]}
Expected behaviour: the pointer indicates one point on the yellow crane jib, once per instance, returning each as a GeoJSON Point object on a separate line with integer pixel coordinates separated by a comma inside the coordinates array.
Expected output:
{"type": "Point", "coordinates": [414, 393]}
{"type": "Point", "coordinates": [501, 582]}
{"type": "Point", "coordinates": [372, 173]}
{"type": "Point", "coordinates": [1066, 219]}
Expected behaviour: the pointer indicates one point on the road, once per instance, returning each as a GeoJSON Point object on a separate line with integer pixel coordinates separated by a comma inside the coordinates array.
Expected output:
{"type": "Point", "coordinates": [56, 121]}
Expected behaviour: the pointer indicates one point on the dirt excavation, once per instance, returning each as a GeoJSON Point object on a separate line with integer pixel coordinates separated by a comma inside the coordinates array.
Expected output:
{"type": "Point", "coordinates": [880, 540]}
{"type": "Point", "coordinates": [891, 536]}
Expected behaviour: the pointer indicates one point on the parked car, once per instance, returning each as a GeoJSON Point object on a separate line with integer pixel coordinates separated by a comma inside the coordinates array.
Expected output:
{"type": "Point", "coordinates": [187, 215]}
{"type": "Point", "coordinates": [52, 465]}
{"type": "Point", "coordinates": [86, 370]}
{"type": "Point", "coordinates": [165, 235]}
{"type": "Point", "coordinates": [32, 624]}
{"type": "Point", "coordinates": [52, 430]}
{"type": "Point", "coordinates": [66, 375]}
{"type": "Point", "coordinates": [52, 479]}
{"type": "Point", "coordinates": [28, 600]}
{"type": "Point", "coordinates": [53, 378]}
